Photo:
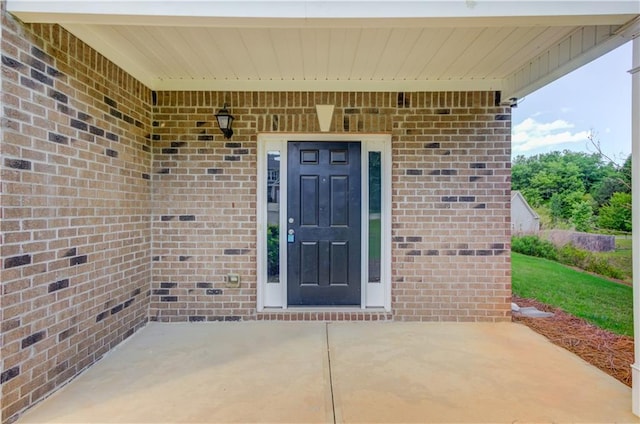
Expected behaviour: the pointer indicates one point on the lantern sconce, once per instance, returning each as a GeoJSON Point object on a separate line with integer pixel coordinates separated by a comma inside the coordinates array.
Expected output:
{"type": "Point", "coordinates": [225, 119]}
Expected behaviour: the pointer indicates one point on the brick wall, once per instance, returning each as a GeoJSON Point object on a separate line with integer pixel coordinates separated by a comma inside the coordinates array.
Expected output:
{"type": "Point", "coordinates": [204, 205]}
{"type": "Point", "coordinates": [451, 195]}
{"type": "Point", "coordinates": [75, 163]}
{"type": "Point", "coordinates": [451, 208]}
{"type": "Point", "coordinates": [119, 204]}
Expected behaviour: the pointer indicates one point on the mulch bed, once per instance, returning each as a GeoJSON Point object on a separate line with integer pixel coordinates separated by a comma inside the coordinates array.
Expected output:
{"type": "Point", "coordinates": [610, 352]}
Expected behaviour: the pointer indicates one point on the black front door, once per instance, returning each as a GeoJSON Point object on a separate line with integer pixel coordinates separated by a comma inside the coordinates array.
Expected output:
{"type": "Point", "coordinates": [323, 223]}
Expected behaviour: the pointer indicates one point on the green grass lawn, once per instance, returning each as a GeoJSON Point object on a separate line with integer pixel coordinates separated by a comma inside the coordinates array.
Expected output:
{"type": "Point", "coordinates": [603, 303]}
{"type": "Point", "coordinates": [624, 242]}
{"type": "Point", "coordinates": [374, 238]}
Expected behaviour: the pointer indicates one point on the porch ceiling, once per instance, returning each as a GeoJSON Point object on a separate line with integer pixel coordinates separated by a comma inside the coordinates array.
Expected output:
{"type": "Point", "coordinates": [512, 46]}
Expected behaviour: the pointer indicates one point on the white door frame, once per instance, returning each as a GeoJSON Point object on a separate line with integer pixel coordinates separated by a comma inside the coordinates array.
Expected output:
{"type": "Point", "coordinates": [274, 294]}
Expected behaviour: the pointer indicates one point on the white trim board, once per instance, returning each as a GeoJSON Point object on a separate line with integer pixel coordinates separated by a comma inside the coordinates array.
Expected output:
{"type": "Point", "coordinates": [146, 12]}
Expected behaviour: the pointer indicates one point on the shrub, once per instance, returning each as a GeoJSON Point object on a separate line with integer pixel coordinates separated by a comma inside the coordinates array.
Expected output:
{"type": "Point", "coordinates": [567, 254]}
{"type": "Point", "coordinates": [534, 246]}
{"type": "Point", "coordinates": [571, 255]}
{"type": "Point", "coordinates": [601, 266]}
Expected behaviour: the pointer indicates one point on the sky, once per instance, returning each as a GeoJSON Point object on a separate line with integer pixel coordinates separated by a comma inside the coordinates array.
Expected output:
{"type": "Point", "coordinates": [594, 98]}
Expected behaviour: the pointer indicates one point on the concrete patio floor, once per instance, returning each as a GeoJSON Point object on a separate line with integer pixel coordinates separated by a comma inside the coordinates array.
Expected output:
{"type": "Point", "coordinates": [338, 372]}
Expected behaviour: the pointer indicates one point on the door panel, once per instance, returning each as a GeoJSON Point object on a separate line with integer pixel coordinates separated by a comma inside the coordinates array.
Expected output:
{"type": "Point", "coordinates": [339, 200]}
{"type": "Point", "coordinates": [323, 249]}
{"type": "Point", "coordinates": [339, 263]}
{"type": "Point", "coordinates": [309, 200]}
{"type": "Point", "coordinates": [309, 254]}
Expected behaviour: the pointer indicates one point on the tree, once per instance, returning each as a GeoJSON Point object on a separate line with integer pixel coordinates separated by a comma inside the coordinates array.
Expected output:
{"type": "Point", "coordinates": [557, 177]}
{"type": "Point", "coordinates": [562, 204]}
{"type": "Point", "coordinates": [591, 167]}
{"type": "Point", "coordinates": [617, 214]}
{"type": "Point", "coordinates": [573, 186]}
{"type": "Point", "coordinates": [582, 216]}
{"type": "Point", "coordinates": [522, 171]}
{"type": "Point", "coordinates": [625, 174]}
{"type": "Point", "coordinates": [603, 190]}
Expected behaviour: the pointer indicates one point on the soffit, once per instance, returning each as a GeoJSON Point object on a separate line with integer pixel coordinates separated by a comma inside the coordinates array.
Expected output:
{"type": "Point", "coordinates": [220, 49]}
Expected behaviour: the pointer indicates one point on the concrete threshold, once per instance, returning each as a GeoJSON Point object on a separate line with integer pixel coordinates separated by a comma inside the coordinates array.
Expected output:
{"type": "Point", "coordinates": [312, 372]}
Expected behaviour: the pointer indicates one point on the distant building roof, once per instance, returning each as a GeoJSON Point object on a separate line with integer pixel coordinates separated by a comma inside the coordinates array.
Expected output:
{"type": "Point", "coordinates": [516, 193]}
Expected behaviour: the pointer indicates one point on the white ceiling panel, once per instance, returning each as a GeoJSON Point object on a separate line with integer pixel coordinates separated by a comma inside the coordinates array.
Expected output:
{"type": "Point", "coordinates": [367, 58]}
{"type": "Point", "coordinates": [479, 47]}
{"type": "Point", "coordinates": [410, 63]}
{"type": "Point", "coordinates": [288, 53]}
{"type": "Point", "coordinates": [194, 44]}
{"type": "Point", "coordinates": [520, 40]}
{"type": "Point", "coordinates": [393, 52]}
{"type": "Point", "coordinates": [315, 54]}
{"type": "Point", "coordinates": [260, 42]}
{"type": "Point", "coordinates": [427, 52]}
{"type": "Point", "coordinates": [343, 44]}
{"type": "Point", "coordinates": [456, 50]}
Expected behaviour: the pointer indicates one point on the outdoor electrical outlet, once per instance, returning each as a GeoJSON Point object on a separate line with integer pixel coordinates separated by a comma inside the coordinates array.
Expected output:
{"type": "Point", "coordinates": [233, 280]}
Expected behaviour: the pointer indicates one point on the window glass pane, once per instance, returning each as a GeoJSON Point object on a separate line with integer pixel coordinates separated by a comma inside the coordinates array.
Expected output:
{"type": "Point", "coordinates": [375, 206]}
{"type": "Point", "coordinates": [273, 217]}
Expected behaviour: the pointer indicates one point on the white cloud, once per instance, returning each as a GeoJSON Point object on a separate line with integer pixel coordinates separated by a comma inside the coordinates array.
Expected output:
{"type": "Point", "coordinates": [531, 134]}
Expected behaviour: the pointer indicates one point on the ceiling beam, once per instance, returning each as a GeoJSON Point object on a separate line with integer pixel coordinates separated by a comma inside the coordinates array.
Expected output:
{"type": "Point", "coordinates": [311, 13]}
{"type": "Point", "coordinates": [325, 85]}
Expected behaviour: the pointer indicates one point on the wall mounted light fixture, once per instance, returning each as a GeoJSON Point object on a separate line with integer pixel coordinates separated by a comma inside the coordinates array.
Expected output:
{"type": "Point", "coordinates": [225, 119]}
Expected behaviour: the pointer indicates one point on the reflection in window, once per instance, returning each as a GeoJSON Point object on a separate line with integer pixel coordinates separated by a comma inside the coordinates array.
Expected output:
{"type": "Point", "coordinates": [375, 207]}
{"type": "Point", "coordinates": [273, 217]}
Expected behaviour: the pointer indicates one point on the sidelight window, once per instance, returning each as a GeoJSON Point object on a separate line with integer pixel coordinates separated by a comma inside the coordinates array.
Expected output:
{"type": "Point", "coordinates": [375, 215]}
{"type": "Point", "coordinates": [273, 217]}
